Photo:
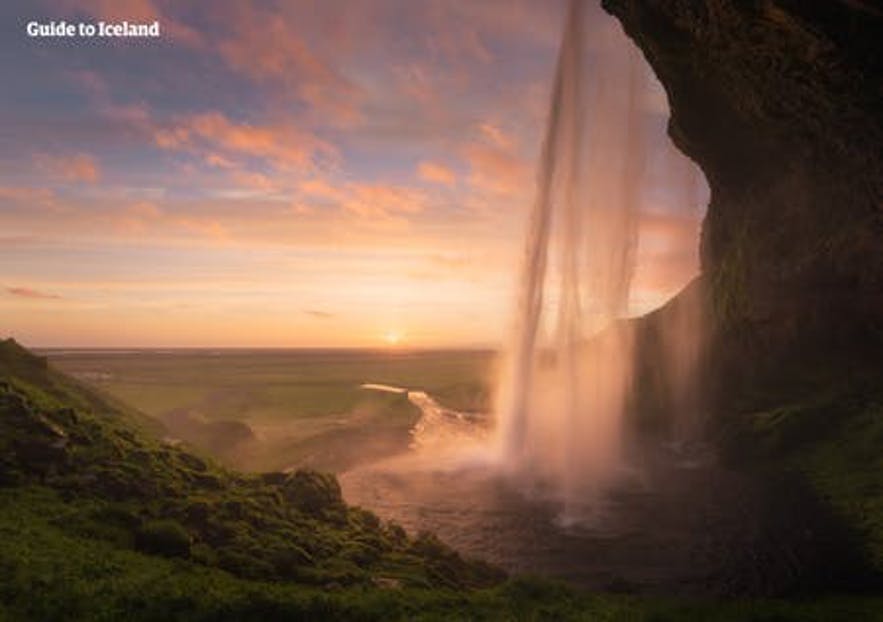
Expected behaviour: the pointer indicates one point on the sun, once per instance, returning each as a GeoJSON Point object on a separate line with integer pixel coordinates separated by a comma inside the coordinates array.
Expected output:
{"type": "Point", "coordinates": [392, 337]}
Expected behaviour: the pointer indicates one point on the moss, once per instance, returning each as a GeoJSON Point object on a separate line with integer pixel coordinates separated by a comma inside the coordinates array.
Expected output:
{"type": "Point", "coordinates": [317, 494]}
{"type": "Point", "coordinates": [831, 439]}
{"type": "Point", "coordinates": [163, 537]}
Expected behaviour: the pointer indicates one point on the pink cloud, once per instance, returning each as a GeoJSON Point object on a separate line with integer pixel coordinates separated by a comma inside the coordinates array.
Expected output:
{"type": "Point", "coordinates": [372, 201]}
{"type": "Point", "coordinates": [284, 147]}
{"type": "Point", "coordinates": [80, 167]}
{"type": "Point", "coordinates": [436, 173]}
{"type": "Point", "coordinates": [203, 227]}
{"type": "Point", "coordinates": [496, 170]}
{"type": "Point", "coordinates": [218, 161]}
{"type": "Point", "coordinates": [322, 189]}
{"type": "Point", "coordinates": [383, 201]}
{"type": "Point", "coordinates": [255, 181]}
{"type": "Point", "coordinates": [667, 256]}
{"type": "Point", "coordinates": [143, 11]}
{"type": "Point", "coordinates": [264, 47]}
{"type": "Point", "coordinates": [138, 217]}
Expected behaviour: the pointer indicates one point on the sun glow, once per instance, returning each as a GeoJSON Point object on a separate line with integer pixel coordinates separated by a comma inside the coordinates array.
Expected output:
{"type": "Point", "coordinates": [393, 337]}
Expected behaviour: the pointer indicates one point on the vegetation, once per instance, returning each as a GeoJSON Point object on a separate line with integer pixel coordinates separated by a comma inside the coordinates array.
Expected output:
{"type": "Point", "coordinates": [99, 521]}
{"type": "Point", "coordinates": [116, 484]}
{"type": "Point", "coordinates": [51, 572]}
{"type": "Point", "coordinates": [830, 436]}
{"type": "Point", "coordinates": [260, 410]}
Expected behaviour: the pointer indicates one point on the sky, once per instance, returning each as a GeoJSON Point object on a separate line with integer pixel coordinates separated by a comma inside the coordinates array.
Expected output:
{"type": "Point", "coordinates": [316, 173]}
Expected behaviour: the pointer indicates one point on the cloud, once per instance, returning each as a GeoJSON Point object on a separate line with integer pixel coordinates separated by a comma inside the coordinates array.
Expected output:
{"type": "Point", "coordinates": [264, 47]}
{"type": "Point", "coordinates": [205, 227]}
{"type": "Point", "coordinates": [80, 167]}
{"type": "Point", "coordinates": [284, 147]}
{"type": "Point", "coordinates": [667, 256]}
{"type": "Point", "coordinates": [323, 315]}
{"type": "Point", "coordinates": [19, 194]}
{"type": "Point", "coordinates": [135, 11]}
{"type": "Point", "coordinates": [376, 201]}
{"type": "Point", "coordinates": [496, 136]}
{"type": "Point", "coordinates": [414, 81]}
{"type": "Point", "coordinates": [496, 170]}
{"type": "Point", "coordinates": [322, 189]}
{"type": "Point", "coordinates": [383, 201]}
{"type": "Point", "coordinates": [138, 217]}
{"type": "Point", "coordinates": [663, 234]}
{"type": "Point", "coordinates": [255, 181]}
{"type": "Point", "coordinates": [218, 161]}
{"type": "Point", "coordinates": [436, 173]}
{"type": "Point", "coordinates": [27, 292]}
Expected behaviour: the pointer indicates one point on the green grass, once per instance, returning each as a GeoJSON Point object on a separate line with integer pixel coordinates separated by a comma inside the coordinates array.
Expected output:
{"type": "Point", "coordinates": [100, 521]}
{"type": "Point", "coordinates": [48, 573]}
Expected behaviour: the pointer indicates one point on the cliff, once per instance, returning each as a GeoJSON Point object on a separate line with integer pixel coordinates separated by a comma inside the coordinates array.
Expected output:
{"type": "Point", "coordinates": [779, 102]}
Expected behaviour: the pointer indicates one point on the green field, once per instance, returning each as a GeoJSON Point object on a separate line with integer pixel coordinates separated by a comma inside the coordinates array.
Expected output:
{"type": "Point", "coordinates": [302, 407]}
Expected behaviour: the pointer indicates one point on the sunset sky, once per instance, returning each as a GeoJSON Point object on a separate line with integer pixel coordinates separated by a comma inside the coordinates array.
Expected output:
{"type": "Point", "coordinates": [309, 173]}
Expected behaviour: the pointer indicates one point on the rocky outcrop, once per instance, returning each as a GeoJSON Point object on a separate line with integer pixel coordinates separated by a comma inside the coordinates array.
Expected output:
{"type": "Point", "coordinates": [779, 102]}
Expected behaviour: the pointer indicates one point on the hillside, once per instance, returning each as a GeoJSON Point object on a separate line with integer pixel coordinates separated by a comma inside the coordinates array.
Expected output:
{"type": "Point", "coordinates": [93, 472]}
{"type": "Point", "coordinates": [100, 520]}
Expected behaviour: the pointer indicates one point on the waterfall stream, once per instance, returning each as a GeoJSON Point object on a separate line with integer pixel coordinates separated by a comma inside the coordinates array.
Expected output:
{"type": "Point", "coordinates": [564, 393]}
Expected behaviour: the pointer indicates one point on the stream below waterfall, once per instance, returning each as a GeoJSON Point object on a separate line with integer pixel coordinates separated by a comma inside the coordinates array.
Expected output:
{"type": "Point", "coordinates": [678, 523]}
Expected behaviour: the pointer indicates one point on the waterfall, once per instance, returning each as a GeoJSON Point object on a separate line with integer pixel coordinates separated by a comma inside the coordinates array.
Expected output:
{"type": "Point", "coordinates": [570, 362]}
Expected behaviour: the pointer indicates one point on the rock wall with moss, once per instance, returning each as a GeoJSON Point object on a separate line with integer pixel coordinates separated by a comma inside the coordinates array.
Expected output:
{"type": "Point", "coordinates": [779, 102]}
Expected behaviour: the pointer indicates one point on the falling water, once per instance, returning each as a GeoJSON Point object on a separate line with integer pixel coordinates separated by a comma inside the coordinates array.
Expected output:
{"type": "Point", "coordinates": [570, 363]}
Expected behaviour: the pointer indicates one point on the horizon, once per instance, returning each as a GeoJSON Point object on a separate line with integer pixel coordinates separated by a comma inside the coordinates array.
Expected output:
{"type": "Point", "coordinates": [299, 175]}
{"type": "Point", "coordinates": [164, 349]}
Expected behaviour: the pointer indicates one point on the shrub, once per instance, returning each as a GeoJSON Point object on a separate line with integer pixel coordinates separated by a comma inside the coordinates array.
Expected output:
{"type": "Point", "coordinates": [163, 537]}
{"type": "Point", "coordinates": [313, 493]}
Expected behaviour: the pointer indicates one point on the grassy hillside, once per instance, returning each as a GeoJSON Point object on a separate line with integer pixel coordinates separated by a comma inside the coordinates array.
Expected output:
{"type": "Point", "coordinates": [122, 487]}
{"type": "Point", "coordinates": [100, 521]}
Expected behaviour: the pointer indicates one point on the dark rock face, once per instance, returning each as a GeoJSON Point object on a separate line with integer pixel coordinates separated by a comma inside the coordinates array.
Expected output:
{"type": "Point", "coordinates": [781, 104]}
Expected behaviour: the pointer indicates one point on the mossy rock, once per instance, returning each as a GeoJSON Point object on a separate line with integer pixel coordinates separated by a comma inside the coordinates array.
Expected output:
{"type": "Point", "coordinates": [313, 493]}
